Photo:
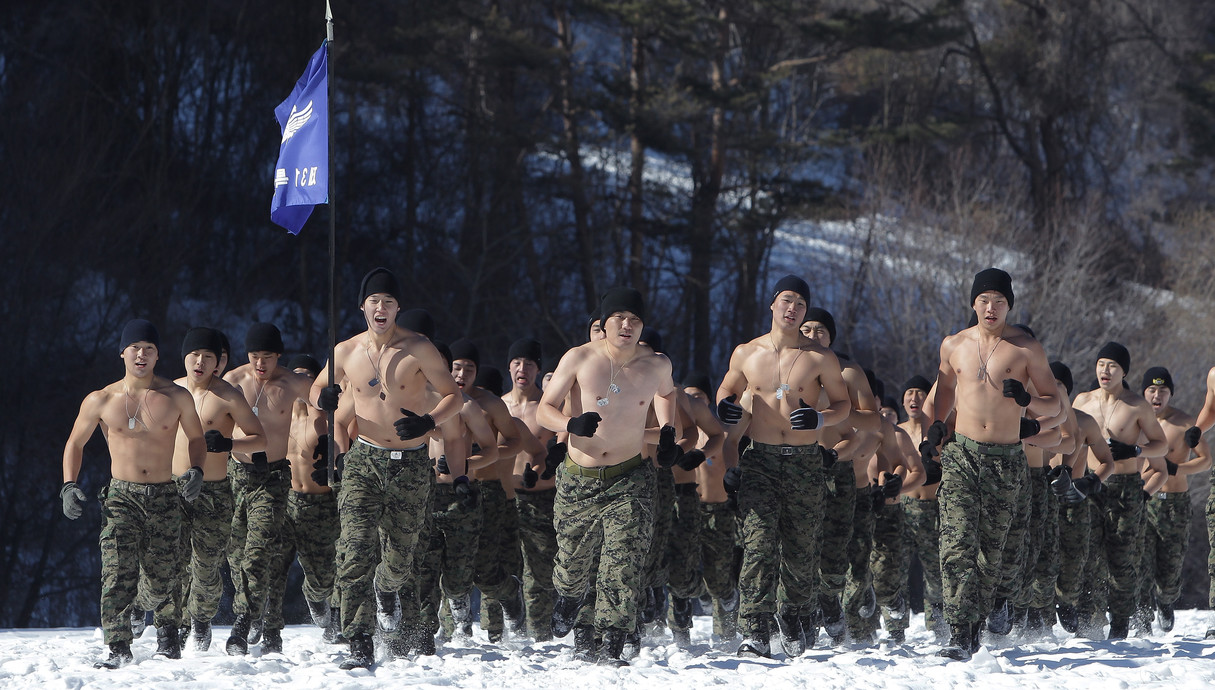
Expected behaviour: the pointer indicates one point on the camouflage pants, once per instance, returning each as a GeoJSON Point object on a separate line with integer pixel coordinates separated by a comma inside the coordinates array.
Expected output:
{"type": "Point", "coordinates": [860, 577]}
{"type": "Point", "coordinates": [499, 559]}
{"type": "Point", "coordinates": [417, 615]}
{"type": "Point", "coordinates": [310, 531]}
{"type": "Point", "coordinates": [1074, 537]}
{"type": "Point", "coordinates": [259, 504]}
{"type": "Point", "coordinates": [609, 520]}
{"type": "Point", "coordinates": [978, 497]}
{"type": "Point", "coordinates": [140, 529]}
{"type": "Point", "coordinates": [1123, 522]}
{"type": "Point", "coordinates": [890, 562]}
{"type": "Point", "coordinates": [386, 497]}
{"type": "Point", "coordinates": [683, 548]}
{"type": "Point", "coordinates": [1094, 596]}
{"type": "Point", "coordinates": [451, 553]}
{"type": "Point", "coordinates": [1211, 540]}
{"type": "Point", "coordinates": [657, 565]}
{"type": "Point", "coordinates": [781, 501]}
{"type": "Point", "coordinates": [718, 531]}
{"type": "Point", "coordinates": [207, 524]}
{"type": "Point", "coordinates": [538, 538]}
{"type": "Point", "coordinates": [839, 502]}
{"type": "Point", "coordinates": [1015, 559]}
{"type": "Point", "coordinates": [1045, 572]}
{"type": "Point", "coordinates": [1166, 534]}
{"type": "Point", "coordinates": [1031, 541]}
{"type": "Point", "coordinates": [922, 526]}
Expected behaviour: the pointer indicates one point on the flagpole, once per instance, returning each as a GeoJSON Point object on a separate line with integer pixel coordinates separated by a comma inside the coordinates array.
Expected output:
{"type": "Point", "coordinates": [332, 226]}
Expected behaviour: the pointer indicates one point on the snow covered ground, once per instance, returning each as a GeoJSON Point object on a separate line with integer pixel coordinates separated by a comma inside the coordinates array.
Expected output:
{"type": "Point", "coordinates": [1180, 660]}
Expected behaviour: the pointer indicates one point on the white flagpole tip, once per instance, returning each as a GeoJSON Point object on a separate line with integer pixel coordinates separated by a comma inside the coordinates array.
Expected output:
{"type": "Point", "coordinates": [328, 12]}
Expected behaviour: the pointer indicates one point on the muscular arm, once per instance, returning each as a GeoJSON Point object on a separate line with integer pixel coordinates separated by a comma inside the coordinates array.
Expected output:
{"type": "Point", "coordinates": [438, 375]}
{"type": "Point", "coordinates": [1200, 460]}
{"type": "Point", "coordinates": [703, 419]}
{"type": "Point", "coordinates": [499, 414]}
{"type": "Point", "coordinates": [940, 399]}
{"type": "Point", "coordinates": [908, 458]}
{"type": "Point", "coordinates": [1157, 444]}
{"type": "Point", "coordinates": [82, 429]}
{"type": "Point", "coordinates": [481, 433]}
{"type": "Point", "coordinates": [1206, 416]}
{"type": "Point", "coordinates": [734, 382]}
{"type": "Point", "coordinates": [549, 412]}
{"type": "Point", "coordinates": [190, 425]}
{"type": "Point", "coordinates": [864, 415]}
{"type": "Point", "coordinates": [1044, 396]}
{"type": "Point", "coordinates": [665, 401]}
{"type": "Point", "coordinates": [839, 401]}
{"type": "Point", "coordinates": [254, 437]}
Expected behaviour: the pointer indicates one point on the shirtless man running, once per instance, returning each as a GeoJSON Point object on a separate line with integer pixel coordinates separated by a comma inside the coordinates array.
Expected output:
{"type": "Point", "coordinates": [139, 416]}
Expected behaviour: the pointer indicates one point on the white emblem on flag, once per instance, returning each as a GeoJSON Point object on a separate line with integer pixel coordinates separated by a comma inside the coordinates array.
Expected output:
{"type": "Point", "coordinates": [297, 120]}
{"type": "Point", "coordinates": [280, 178]}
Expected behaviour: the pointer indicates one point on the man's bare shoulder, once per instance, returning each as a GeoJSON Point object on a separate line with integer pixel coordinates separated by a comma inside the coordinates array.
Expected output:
{"type": "Point", "coordinates": [225, 391]}
{"type": "Point", "coordinates": [756, 344]}
{"type": "Point", "coordinates": [658, 361]}
{"type": "Point", "coordinates": [1178, 418]}
{"type": "Point", "coordinates": [239, 374]}
{"type": "Point", "coordinates": [167, 386]}
{"type": "Point", "coordinates": [579, 353]}
{"type": "Point", "coordinates": [952, 341]}
{"type": "Point", "coordinates": [488, 400]}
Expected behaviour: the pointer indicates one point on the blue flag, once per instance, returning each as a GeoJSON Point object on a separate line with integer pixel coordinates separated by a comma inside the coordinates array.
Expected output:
{"type": "Point", "coordinates": [301, 177]}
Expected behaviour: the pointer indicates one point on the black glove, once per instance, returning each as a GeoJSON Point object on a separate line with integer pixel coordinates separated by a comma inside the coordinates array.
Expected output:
{"type": "Point", "coordinates": [932, 472]}
{"type": "Point", "coordinates": [877, 497]}
{"type": "Point", "coordinates": [192, 487]}
{"type": "Point", "coordinates": [553, 459]}
{"type": "Point", "coordinates": [413, 426]}
{"type": "Point", "coordinates": [467, 494]}
{"type": "Point", "coordinates": [217, 442]}
{"type": "Point", "coordinates": [691, 459]}
{"type": "Point", "coordinates": [260, 462]}
{"type": "Point", "coordinates": [668, 451]}
{"type": "Point", "coordinates": [728, 411]}
{"type": "Point", "coordinates": [320, 468]}
{"type": "Point", "coordinates": [73, 500]}
{"type": "Point", "coordinates": [1192, 436]}
{"type": "Point", "coordinates": [584, 424]}
{"type": "Point", "coordinates": [830, 457]}
{"type": "Point", "coordinates": [894, 484]}
{"type": "Point", "coordinates": [1123, 451]}
{"type": "Point", "coordinates": [927, 452]}
{"type": "Point", "coordinates": [441, 465]}
{"type": "Point", "coordinates": [1029, 427]}
{"type": "Point", "coordinates": [732, 480]}
{"type": "Point", "coordinates": [1016, 390]}
{"type": "Point", "coordinates": [936, 433]}
{"type": "Point", "coordinates": [327, 400]}
{"type": "Point", "coordinates": [805, 418]}
{"type": "Point", "coordinates": [530, 477]}
{"type": "Point", "coordinates": [1171, 467]}
{"type": "Point", "coordinates": [1060, 478]}
{"type": "Point", "coordinates": [1088, 485]}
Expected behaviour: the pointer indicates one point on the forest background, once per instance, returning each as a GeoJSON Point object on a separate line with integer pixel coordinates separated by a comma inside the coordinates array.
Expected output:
{"type": "Point", "coordinates": [512, 159]}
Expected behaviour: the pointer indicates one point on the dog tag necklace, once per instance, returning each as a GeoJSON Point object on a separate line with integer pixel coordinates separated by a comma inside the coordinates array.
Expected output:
{"type": "Point", "coordinates": [612, 387]}
{"type": "Point", "coordinates": [375, 380]}
{"type": "Point", "coordinates": [258, 399]}
{"type": "Point", "coordinates": [979, 350]}
{"type": "Point", "coordinates": [131, 418]}
{"type": "Point", "coordinates": [782, 386]}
